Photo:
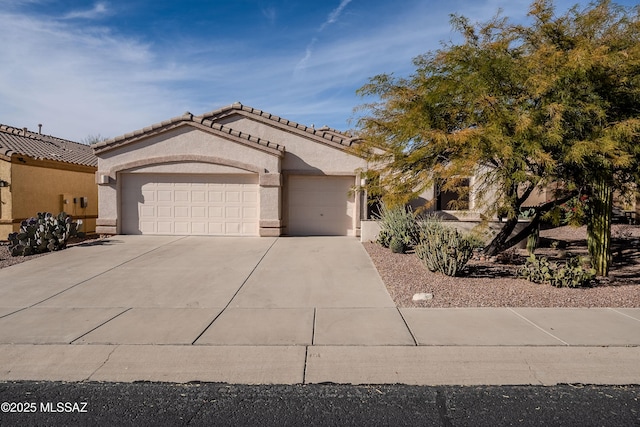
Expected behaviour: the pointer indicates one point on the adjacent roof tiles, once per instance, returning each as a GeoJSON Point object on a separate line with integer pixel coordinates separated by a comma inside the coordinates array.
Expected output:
{"type": "Point", "coordinates": [14, 141]}
{"type": "Point", "coordinates": [324, 133]}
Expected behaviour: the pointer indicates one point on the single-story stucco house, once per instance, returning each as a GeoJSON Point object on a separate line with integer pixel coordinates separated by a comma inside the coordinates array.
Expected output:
{"type": "Point", "coordinates": [235, 171]}
{"type": "Point", "coordinates": [43, 173]}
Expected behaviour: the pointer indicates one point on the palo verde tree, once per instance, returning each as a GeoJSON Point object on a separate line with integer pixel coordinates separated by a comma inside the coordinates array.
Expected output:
{"type": "Point", "coordinates": [591, 60]}
{"type": "Point", "coordinates": [513, 106]}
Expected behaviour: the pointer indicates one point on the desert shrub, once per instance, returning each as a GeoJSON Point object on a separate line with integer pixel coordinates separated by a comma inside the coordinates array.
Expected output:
{"type": "Point", "coordinates": [510, 256]}
{"type": "Point", "coordinates": [384, 238]}
{"type": "Point", "coordinates": [572, 274]}
{"type": "Point", "coordinates": [444, 249]}
{"type": "Point", "coordinates": [537, 270]}
{"type": "Point", "coordinates": [399, 223]}
{"type": "Point", "coordinates": [43, 233]}
{"type": "Point", "coordinates": [396, 245]}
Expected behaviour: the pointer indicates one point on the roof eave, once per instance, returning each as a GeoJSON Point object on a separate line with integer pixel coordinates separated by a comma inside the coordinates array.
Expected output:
{"type": "Point", "coordinates": [188, 119]}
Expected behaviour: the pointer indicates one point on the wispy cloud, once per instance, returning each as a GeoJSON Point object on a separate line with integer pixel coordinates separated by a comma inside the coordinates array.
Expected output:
{"type": "Point", "coordinates": [80, 79]}
{"type": "Point", "coordinates": [270, 13]}
{"type": "Point", "coordinates": [331, 18]}
{"type": "Point", "coordinates": [99, 10]}
{"type": "Point", "coordinates": [335, 14]}
{"type": "Point", "coordinates": [302, 64]}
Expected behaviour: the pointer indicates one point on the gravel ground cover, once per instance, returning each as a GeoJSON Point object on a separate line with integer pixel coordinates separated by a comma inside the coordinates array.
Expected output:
{"type": "Point", "coordinates": [491, 283]}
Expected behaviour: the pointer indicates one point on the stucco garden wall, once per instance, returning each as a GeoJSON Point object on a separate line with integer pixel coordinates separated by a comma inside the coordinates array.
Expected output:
{"type": "Point", "coordinates": [369, 229]}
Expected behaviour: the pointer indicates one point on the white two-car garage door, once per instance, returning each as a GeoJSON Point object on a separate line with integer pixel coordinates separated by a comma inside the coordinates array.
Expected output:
{"type": "Point", "coordinates": [190, 204]}
{"type": "Point", "coordinates": [321, 205]}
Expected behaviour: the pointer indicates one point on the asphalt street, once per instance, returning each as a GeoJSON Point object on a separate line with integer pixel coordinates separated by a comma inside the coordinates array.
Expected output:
{"type": "Point", "coordinates": [93, 403]}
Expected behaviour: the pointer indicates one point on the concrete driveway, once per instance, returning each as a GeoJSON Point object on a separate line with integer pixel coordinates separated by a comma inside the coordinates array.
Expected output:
{"type": "Point", "coordinates": [200, 290]}
{"type": "Point", "coordinates": [280, 310]}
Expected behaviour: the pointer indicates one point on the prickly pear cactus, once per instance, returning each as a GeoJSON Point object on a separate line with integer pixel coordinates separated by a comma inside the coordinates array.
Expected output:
{"type": "Point", "coordinates": [43, 233]}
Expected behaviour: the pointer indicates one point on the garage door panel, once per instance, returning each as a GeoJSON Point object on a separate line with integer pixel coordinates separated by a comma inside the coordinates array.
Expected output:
{"type": "Point", "coordinates": [232, 196]}
{"type": "Point", "coordinates": [250, 213]}
{"type": "Point", "coordinates": [147, 227]}
{"type": "Point", "coordinates": [232, 228]}
{"type": "Point", "coordinates": [181, 212]}
{"type": "Point", "coordinates": [149, 196]}
{"type": "Point", "coordinates": [161, 227]}
{"type": "Point", "coordinates": [181, 195]}
{"type": "Point", "coordinates": [249, 197]}
{"type": "Point", "coordinates": [215, 212]}
{"type": "Point", "coordinates": [162, 196]}
{"type": "Point", "coordinates": [198, 196]}
{"type": "Point", "coordinates": [232, 212]}
{"type": "Point", "coordinates": [186, 204]}
{"type": "Point", "coordinates": [321, 205]}
{"type": "Point", "coordinates": [198, 212]}
{"type": "Point", "coordinates": [165, 212]}
{"type": "Point", "coordinates": [182, 227]}
{"type": "Point", "coordinates": [215, 196]}
{"type": "Point", "coordinates": [215, 228]}
{"type": "Point", "coordinates": [147, 212]}
{"type": "Point", "coordinates": [199, 228]}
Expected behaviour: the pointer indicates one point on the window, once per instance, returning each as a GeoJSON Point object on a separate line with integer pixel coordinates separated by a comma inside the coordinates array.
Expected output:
{"type": "Point", "coordinates": [455, 197]}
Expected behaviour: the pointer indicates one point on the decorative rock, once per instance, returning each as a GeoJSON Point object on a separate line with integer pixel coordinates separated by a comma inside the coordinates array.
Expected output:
{"type": "Point", "coordinates": [422, 297]}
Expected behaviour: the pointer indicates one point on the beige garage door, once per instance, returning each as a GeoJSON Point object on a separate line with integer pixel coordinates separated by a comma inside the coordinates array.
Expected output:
{"type": "Point", "coordinates": [185, 204]}
{"type": "Point", "coordinates": [320, 205]}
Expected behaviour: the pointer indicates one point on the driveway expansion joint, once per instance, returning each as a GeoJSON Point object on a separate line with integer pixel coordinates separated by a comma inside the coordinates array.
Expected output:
{"type": "Point", "coordinates": [237, 291]}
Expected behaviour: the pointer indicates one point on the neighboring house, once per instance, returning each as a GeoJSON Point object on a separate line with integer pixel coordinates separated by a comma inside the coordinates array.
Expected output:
{"type": "Point", "coordinates": [235, 171]}
{"type": "Point", "coordinates": [42, 173]}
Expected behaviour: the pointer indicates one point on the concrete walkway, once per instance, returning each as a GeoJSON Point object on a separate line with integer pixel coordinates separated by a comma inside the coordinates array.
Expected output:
{"type": "Point", "coordinates": [280, 310]}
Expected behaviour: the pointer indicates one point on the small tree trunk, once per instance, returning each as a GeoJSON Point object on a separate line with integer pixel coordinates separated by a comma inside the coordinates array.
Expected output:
{"type": "Point", "coordinates": [497, 245]}
{"type": "Point", "coordinates": [599, 227]}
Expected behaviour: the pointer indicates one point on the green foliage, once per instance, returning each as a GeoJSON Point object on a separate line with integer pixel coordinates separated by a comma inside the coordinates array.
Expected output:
{"type": "Point", "coordinates": [572, 274]}
{"type": "Point", "coordinates": [43, 233]}
{"type": "Point", "coordinates": [384, 238]}
{"type": "Point", "coordinates": [396, 245]}
{"type": "Point", "coordinates": [537, 270]}
{"type": "Point", "coordinates": [444, 249]}
{"type": "Point", "coordinates": [398, 223]}
{"type": "Point", "coordinates": [532, 240]}
{"type": "Point", "coordinates": [519, 107]}
{"type": "Point", "coordinates": [573, 212]}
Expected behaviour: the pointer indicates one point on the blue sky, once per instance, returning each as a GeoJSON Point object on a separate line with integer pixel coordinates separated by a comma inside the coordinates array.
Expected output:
{"type": "Point", "coordinates": [110, 67]}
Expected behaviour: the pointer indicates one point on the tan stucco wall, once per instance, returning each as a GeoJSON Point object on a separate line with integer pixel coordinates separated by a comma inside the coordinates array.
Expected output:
{"type": "Point", "coordinates": [302, 154]}
{"type": "Point", "coordinates": [186, 140]}
{"type": "Point", "coordinates": [6, 225]}
{"type": "Point", "coordinates": [41, 186]}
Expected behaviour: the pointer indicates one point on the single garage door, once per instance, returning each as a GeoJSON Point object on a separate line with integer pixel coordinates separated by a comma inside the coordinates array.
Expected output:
{"type": "Point", "coordinates": [185, 204]}
{"type": "Point", "coordinates": [320, 205]}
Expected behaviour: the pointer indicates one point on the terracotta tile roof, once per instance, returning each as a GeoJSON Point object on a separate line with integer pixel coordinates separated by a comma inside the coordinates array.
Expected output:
{"type": "Point", "coordinates": [211, 120]}
{"type": "Point", "coordinates": [186, 118]}
{"type": "Point", "coordinates": [14, 141]}
{"type": "Point", "coordinates": [324, 133]}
